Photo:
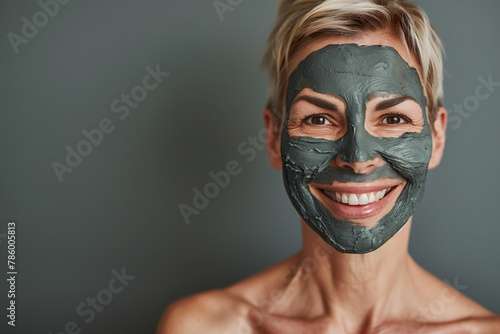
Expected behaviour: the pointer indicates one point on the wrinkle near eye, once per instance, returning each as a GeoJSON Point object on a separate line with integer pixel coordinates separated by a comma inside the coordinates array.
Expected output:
{"type": "Point", "coordinates": [392, 116]}
{"type": "Point", "coordinates": [319, 126]}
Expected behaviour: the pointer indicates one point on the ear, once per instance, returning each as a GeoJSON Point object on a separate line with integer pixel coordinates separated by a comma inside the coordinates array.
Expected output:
{"type": "Point", "coordinates": [273, 139]}
{"type": "Point", "coordinates": [438, 137]}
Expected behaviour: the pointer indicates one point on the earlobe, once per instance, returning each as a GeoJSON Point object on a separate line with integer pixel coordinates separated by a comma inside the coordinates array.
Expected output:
{"type": "Point", "coordinates": [273, 139]}
{"type": "Point", "coordinates": [438, 137]}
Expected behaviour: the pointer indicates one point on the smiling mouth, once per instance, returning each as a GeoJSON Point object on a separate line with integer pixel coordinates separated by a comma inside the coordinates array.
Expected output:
{"type": "Point", "coordinates": [357, 199]}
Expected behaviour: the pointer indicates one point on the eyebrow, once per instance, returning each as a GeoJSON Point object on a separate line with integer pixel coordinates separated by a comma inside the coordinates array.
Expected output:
{"type": "Point", "coordinates": [393, 102]}
{"type": "Point", "coordinates": [317, 102]}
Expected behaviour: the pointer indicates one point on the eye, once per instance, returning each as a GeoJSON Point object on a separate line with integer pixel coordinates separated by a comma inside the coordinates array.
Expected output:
{"type": "Point", "coordinates": [317, 120]}
{"type": "Point", "coordinates": [395, 119]}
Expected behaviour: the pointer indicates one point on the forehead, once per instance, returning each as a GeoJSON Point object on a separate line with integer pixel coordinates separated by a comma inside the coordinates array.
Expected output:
{"type": "Point", "coordinates": [377, 37]}
{"type": "Point", "coordinates": [351, 69]}
{"type": "Point", "coordinates": [368, 38]}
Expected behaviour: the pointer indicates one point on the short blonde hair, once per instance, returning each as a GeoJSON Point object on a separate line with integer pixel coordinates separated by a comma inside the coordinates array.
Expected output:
{"type": "Point", "coordinates": [301, 21]}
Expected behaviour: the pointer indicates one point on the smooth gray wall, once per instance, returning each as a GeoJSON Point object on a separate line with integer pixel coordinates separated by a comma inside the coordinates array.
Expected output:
{"type": "Point", "coordinates": [119, 207]}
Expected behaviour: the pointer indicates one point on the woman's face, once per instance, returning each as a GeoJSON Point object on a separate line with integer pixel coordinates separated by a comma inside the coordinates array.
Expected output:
{"type": "Point", "coordinates": [355, 142]}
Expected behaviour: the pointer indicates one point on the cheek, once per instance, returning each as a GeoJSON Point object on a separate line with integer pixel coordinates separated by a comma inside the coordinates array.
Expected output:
{"type": "Point", "coordinates": [307, 156]}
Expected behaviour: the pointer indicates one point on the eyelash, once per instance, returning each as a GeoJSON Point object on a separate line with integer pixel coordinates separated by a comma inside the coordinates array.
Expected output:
{"type": "Point", "coordinates": [305, 118]}
{"type": "Point", "coordinates": [402, 116]}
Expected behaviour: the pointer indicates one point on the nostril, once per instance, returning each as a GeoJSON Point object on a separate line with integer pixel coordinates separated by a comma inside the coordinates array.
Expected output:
{"type": "Point", "coordinates": [358, 167]}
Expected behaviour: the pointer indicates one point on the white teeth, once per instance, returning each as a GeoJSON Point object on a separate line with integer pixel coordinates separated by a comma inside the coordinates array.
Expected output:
{"type": "Point", "coordinates": [344, 198]}
{"type": "Point", "coordinates": [363, 199]}
{"type": "Point", "coordinates": [372, 198]}
{"type": "Point", "coordinates": [381, 194]}
{"type": "Point", "coordinates": [352, 199]}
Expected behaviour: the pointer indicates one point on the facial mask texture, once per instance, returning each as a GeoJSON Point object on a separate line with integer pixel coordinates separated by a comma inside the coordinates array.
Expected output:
{"type": "Point", "coordinates": [355, 74]}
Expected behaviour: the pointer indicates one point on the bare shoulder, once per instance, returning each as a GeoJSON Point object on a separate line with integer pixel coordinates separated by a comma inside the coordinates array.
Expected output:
{"type": "Point", "coordinates": [222, 311]}
{"type": "Point", "coordinates": [208, 312]}
{"type": "Point", "coordinates": [479, 325]}
{"type": "Point", "coordinates": [444, 305]}
{"type": "Point", "coordinates": [485, 325]}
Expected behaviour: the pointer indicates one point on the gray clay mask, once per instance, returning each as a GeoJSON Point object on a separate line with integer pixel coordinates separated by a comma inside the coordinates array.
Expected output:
{"type": "Point", "coordinates": [355, 74]}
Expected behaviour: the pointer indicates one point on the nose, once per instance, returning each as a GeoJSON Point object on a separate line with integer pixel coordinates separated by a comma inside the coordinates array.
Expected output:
{"type": "Point", "coordinates": [358, 152]}
{"type": "Point", "coordinates": [359, 167]}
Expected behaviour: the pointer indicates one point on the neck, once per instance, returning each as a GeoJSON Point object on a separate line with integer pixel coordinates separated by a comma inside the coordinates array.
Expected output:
{"type": "Point", "coordinates": [356, 289]}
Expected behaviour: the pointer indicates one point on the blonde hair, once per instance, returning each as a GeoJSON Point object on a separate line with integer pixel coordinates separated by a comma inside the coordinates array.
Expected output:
{"type": "Point", "coordinates": [301, 21]}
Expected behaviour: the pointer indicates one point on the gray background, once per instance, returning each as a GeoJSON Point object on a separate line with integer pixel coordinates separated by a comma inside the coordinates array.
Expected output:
{"type": "Point", "coordinates": [119, 208]}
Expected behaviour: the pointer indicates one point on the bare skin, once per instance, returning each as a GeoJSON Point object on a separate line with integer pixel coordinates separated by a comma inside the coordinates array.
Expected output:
{"type": "Point", "coordinates": [322, 291]}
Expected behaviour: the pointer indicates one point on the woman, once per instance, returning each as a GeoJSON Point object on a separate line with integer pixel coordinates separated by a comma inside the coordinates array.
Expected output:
{"type": "Point", "coordinates": [354, 120]}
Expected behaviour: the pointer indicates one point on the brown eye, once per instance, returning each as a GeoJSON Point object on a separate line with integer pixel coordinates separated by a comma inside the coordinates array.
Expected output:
{"type": "Point", "coordinates": [394, 120]}
{"type": "Point", "coordinates": [318, 120]}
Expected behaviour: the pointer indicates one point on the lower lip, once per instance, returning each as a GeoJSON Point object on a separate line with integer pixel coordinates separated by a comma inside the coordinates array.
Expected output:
{"type": "Point", "coordinates": [358, 211]}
